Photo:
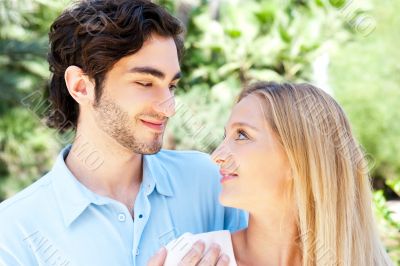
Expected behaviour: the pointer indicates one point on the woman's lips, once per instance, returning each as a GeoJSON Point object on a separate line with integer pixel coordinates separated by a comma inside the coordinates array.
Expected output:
{"type": "Point", "coordinates": [226, 176]}
{"type": "Point", "coordinates": [155, 125]}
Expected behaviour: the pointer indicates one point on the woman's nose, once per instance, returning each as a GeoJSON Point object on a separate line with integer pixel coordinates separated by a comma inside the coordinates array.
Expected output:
{"type": "Point", "coordinates": [225, 159]}
{"type": "Point", "coordinates": [219, 155]}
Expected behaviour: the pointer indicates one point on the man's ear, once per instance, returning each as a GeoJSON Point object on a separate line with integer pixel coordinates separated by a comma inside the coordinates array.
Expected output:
{"type": "Point", "coordinates": [80, 87]}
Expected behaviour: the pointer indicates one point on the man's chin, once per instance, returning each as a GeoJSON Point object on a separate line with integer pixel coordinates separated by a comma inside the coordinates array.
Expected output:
{"type": "Point", "coordinates": [151, 151]}
{"type": "Point", "coordinates": [148, 148]}
{"type": "Point", "coordinates": [147, 145]}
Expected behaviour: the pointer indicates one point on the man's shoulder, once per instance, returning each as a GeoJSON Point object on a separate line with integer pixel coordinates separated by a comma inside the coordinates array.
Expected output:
{"type": "Point", "coordinates": [185, 157]}
{"type": "Point", "coordinates": [187, 160]}
{"type": "Point", "coordinates": [190, 169]}
{"type": "Point", "coordinates": [20, 216]}
{"type": "Point", "coordinates": [25, 200]}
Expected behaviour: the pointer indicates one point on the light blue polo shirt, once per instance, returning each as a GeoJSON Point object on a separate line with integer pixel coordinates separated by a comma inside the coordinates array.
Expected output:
{"type": "Point", "coordinates": [58, 221]}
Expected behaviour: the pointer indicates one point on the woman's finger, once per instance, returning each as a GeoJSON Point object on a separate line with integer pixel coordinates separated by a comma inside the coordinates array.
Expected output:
{"type": "Point", "coordinates": [158, 259]}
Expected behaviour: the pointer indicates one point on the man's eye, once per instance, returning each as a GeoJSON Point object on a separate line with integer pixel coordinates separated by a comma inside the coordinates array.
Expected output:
{"type": "Point", "coordinates": [144, 84]}
{"type": "Point", "coordinates": [172, 87]}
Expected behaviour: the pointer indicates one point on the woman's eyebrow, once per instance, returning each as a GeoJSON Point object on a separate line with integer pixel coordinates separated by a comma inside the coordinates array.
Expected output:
{"type": "Point", "coordinates": [242, 124]}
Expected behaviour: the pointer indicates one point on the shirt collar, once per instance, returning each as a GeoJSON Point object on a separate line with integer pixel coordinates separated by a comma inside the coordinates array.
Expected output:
{"type": "Point", "coordinates": [73, 197]}
{"type": "Point", "coordinates": [156, 176]}
{"type": "Point", "coordinates": [69, 192]}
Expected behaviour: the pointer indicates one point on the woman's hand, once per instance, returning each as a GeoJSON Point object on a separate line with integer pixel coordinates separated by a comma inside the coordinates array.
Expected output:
{"type": "Point", "coordinates": [194, 256]}
{"type": "Point", "coordinates": [158, 258]}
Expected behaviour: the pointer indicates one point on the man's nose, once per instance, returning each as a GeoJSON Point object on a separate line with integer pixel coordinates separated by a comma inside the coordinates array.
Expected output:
{"type": "Point", "coordinates": [166, 106]}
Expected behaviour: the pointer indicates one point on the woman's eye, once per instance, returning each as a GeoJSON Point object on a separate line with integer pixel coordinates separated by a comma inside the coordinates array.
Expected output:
{"type": "Point", "coordinates": [241, 135]}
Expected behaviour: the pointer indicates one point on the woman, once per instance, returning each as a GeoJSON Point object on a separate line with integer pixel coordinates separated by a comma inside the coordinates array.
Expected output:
{"type": "Point", "coordinates": [289, 158]}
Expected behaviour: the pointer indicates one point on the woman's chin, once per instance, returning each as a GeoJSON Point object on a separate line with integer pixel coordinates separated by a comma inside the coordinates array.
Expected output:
{"type": "Point", "coordinates": [229, 200]}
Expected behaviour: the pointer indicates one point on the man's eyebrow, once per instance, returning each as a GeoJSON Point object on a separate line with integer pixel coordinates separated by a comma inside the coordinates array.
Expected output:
{"type": "Point", "coordinates": [148, 70]}
{"type": "Point", "coordinates": [177, 76]}
{"type": "Point", "coordinates": [153, 71]}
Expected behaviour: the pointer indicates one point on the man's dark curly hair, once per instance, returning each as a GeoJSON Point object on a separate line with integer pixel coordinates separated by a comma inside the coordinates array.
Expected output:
{"type": "Point", "coordinates": [94, 35]}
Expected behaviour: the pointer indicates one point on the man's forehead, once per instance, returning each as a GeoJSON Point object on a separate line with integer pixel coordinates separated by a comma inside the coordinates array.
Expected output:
{"type": "Point", "coordinates": [158, 53]}
{"type": "Point", "coordinates": [159, 46]}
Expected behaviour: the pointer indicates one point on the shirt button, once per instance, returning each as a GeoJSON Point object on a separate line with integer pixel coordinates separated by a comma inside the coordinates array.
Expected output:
{"type": "Point", "coordinates": [137, 252]}
{"type": "Point", "coordinates": [148, 188]}
{"type": "Point", "coordinates": [121, 217]}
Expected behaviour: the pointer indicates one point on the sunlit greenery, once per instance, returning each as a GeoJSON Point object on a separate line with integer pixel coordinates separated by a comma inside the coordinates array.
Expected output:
{"type": "Point", "coordinates": [229, 44]}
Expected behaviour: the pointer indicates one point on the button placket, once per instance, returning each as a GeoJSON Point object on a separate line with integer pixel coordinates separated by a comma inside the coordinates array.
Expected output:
{"type": "Point", "coordinates": [148, 189]}
{"type": "Point", "coordinates": [142, 211]}
{"type": "Point", "coordinates": [121, 217]}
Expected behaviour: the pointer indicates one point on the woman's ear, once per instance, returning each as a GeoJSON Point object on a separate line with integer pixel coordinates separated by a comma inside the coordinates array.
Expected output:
{"type": "Point", "coordinates": [80, 87]}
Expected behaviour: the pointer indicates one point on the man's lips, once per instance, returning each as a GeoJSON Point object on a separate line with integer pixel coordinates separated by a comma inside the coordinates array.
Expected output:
{"type": "Point", "coordinates": [227, 175]}
{"type": "Point", "coordinates": [153, 124]}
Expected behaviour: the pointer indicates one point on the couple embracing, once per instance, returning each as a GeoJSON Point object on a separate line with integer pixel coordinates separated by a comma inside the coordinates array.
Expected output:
{"type": "Point", "coordinates": [287, 185]}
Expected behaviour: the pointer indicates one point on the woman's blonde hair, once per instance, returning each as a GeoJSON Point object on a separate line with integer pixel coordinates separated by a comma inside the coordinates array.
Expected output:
{"type": "Point", "coordinates": [331, 185]}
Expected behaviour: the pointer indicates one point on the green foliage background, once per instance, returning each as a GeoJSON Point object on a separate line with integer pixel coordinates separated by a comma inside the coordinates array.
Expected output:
{"type": "Point", "coordinates": [229, 44]}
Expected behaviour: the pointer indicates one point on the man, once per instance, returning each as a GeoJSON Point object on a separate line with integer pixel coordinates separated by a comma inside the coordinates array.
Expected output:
{"type": "Point", "coordinates": [113, 198]}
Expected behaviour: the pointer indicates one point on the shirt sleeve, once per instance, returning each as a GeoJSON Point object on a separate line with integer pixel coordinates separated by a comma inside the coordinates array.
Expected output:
{"type": "Point", "coordinates": [235, 219]}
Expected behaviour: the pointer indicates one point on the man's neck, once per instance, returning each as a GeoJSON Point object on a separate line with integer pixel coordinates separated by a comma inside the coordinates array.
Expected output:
{"type": "Point", "coordinates": [105, 167]}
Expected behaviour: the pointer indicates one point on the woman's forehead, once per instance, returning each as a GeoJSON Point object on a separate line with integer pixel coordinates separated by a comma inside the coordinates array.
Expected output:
{"type": "Point", "coordinates": [249, 109]}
